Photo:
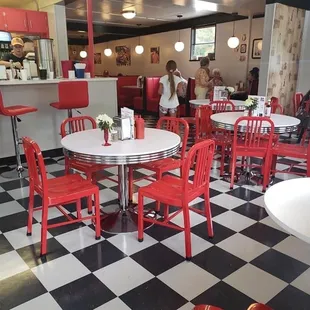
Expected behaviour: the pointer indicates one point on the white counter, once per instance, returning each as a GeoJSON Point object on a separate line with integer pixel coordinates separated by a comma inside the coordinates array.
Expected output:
{"type": "Point", "coordinates": [44, 125]}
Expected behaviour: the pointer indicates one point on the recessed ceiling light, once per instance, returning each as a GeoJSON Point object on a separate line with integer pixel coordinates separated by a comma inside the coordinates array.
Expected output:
{"type": "Point", "coordinates": [128, 14]}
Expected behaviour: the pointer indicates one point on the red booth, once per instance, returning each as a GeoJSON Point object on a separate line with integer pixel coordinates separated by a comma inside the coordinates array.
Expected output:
{"type": "Point", "coordinates": [125, 95]}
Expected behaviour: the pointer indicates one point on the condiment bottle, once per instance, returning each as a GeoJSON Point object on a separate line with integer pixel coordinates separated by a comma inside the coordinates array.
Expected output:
{"type": "Point", "coordinates": [139, 125]}
{"type": "Point", "coordinates": [268, 109]}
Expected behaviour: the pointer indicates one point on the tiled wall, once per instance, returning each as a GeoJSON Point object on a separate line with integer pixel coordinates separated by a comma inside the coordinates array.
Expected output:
{"type": "Point", "coordinates": [285, 54]}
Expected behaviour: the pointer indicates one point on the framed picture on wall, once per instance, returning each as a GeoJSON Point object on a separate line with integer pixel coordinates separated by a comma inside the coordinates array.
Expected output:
{"type": "Point", "coordinates": [155, 55]}
{"type": "Point", "coordinates": [97, 58]}
{"type": "Point", "coordinates": [243, 48]}
{"type": "Point", "coordinates": [257, 48]}
{"type": "Point", "coordinates": [123, 55]}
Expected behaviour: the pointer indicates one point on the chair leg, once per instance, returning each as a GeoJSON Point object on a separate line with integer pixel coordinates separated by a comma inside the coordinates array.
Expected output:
{"type": "Point", "coordinates": [78, 208]}
{"type": "Point", "coordinates": [274, 165]}
{"type": "Point", "coordinates": [30, 209]}
{"type": "Point", "coordinates": [157, 208]}
{"type": "Point", "coordinates": [67, 168]}
{"type": "Point", "coordinates": [166, 212]}
{"type": "Point", "coordinates": [187, 233]}
{"type": "Point", "coordinates": [140, 217]}
{"type": "Point", "coordinates": [97, 215]}
{"type": "Point", "coordinates": [267, 167]}
{"type": "Point", "coordinates": [222, 160]}
{"type": "Point", "coordinates": [233, 169]}
{"type": "Point", "coordinates": [44, 229]}
{"type": "Point", "coordinates": [208, 214]}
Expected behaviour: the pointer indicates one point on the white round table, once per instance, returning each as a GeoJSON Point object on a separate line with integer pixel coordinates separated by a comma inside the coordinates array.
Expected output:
{"type": "Point", "coordinates": [87, 146]}
{"type": "Point", "coordinates": [282, 123]}
{"type": "Point", "coordinates": [239, 104]}
{"type": "Point", "coordinates": [287, 203]}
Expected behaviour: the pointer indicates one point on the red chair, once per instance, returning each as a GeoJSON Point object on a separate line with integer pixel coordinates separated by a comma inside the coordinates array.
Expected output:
{"type": "Point", "coordinates": [92, 171]}
{"type": "Point", "coordinates": [159, 167]}
{"type": "Point", "coordinates": [297, 101]}
{"type": "Point", "coordinates": [292, 151]}
{"type": "Point", "coordinates": [252, 143]}
{"type": "Point", "coordinates": [72, 95]}
{"type": "Point", "coordinates": [276, 107]}
{"type": "Point", "coordinates": [179, 192]}
{"type": "Point", "coordinates": [204, 130]}
{"type": "Point", "coordinates": [222, 106]}
{"type": "Point", "coordinates": [56, 192]}
{"type": "Point", "coordinates": [13, 112]}
{"type": "Point", "coordinates": [151, 94]}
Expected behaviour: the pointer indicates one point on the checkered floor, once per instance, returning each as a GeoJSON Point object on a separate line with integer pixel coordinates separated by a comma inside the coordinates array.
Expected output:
{"type": "Point", "coordinates": [250, 258]}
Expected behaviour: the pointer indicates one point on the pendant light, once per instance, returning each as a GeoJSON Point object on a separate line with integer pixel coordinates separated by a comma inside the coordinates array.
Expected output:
{"type": "Point", "coordinates": [107, 51]}
{"type": "Point", "coordinates": [83, 54]}
{"type": "Point", "coordinates": [128, 14]}
{"type": "Point", "coordinates": [179, 46]}
{"type": "Point", "coordinates": [139, 48]}
{"type": "Point", "coordinates": [233, 41]}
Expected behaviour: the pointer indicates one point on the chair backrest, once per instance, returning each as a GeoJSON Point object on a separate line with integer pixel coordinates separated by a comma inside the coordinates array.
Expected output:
{"type": "Point", "coordinates": [76, 124]}
{"type": "Point", "coordinates": [152, 86]}
{"type": "Point", "coordinates": [206, 307]}
{"type": "Point", "coordinates": [73, 94]}
{"type": "Point", "coordinates": [222, 106]}
{"type": "Point", "coordinates": [203, 122]}
{"type": "Point", "coordinates": [254, 134]}
{"type": "Point", "coordinates": [297, 100]}
{"type": "Point", "coordinates": [276, 107]}
{"type": "Point", "coordinates": [259, 307]}
{"type": "Point", "coordinates": [199, 158]}
{"type": "Point", "coordinates": [36, 166]}
{"type": "Point", "coordinates": [178, 126]}
{"type": "Point", "coordinates": [191, 89]}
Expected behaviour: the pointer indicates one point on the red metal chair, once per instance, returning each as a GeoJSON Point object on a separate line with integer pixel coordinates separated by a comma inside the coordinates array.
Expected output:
{"type": "Point", "coordinates": [222, 106]}
{"type": "Point", "coordinates": [13, 112]}
{"type": "Point", "coordinates": [297, 101]}
{"type": "Point", "coordinates": [276, 107]}
{"type": "Point", "coordinates": [179, 192]}
{"type": "Point", "coordinates": [292, 151]}
{"type": "Point", "coordinates": [204, 130]}
{"type": "Point", "coordinates": [56, 192]}
{"type": "Point", "coordinates": [159, 167]}
{"type": "Point", "coordinates": [253, 142]}
{"type": "Point", "coordinates": [92, 171]}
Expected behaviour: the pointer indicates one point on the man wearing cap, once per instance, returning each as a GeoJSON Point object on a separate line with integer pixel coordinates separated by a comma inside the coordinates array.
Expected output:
{"type": "Point", "coordinates": [17, 55]}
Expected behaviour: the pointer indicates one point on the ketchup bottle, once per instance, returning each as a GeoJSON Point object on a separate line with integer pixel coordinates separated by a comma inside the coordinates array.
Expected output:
{"type": "Point", "coordinates": [139, 124]}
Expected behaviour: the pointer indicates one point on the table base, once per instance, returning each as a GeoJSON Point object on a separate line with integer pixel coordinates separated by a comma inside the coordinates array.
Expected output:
{"type": "Point", "coordinates": [119, 221]}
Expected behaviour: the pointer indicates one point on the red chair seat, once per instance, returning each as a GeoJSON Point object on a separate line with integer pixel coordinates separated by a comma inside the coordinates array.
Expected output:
{"type": "Point", "coordinates": [56, 105]}
{"type": "Point", "coordinates": [68, 187]}
{"type": "Point", "coordinates": [162, 164]}
{"type": "Point", "coordinates": [289, 150]}
{"type": "Point", "coordinates": [16, 110]}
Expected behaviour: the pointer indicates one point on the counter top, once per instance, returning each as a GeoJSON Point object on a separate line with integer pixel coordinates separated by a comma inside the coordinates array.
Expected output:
{"type": "Point", "coordinates": [54, 81]}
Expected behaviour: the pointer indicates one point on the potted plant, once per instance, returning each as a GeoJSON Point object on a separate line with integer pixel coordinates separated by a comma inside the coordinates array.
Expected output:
{"type": "Point", "coordinates": [105, 123]}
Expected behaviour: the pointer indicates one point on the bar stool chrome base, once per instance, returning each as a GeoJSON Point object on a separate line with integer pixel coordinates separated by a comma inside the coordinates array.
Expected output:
{"type": "Point", "coordinates": [15, 174]}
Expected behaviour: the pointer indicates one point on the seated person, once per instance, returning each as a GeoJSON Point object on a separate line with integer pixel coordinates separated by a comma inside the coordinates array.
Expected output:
{"type": "Point", "coordinates": [216, 80]}
{"type": "Point", "coordinates": [182, 90]}
{"type": "Point", "coordinates": [253, 79]}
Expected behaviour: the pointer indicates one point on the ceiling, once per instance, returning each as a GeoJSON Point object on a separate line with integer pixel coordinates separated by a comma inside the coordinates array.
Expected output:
{"type": "Point", "coordinates": [156, 12]}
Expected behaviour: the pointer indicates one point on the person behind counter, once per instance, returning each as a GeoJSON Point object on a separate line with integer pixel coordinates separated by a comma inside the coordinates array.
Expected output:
{"type": "Point", "coordinates": [17, 55]}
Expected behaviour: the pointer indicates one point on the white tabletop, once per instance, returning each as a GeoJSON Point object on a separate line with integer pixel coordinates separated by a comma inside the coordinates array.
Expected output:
{"type": "Point", "coordinates": [282, 123]}
{"type": "Point", "coordinates": [287, 203]}
{"type": "Point", "coordinates": [199, 102]}
{"type": "Point", "coordinates": [160, 143]}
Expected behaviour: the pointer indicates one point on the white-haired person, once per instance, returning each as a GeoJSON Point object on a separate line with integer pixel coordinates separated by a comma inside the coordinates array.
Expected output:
{"type": "Point", "coordinates": [216, 79]}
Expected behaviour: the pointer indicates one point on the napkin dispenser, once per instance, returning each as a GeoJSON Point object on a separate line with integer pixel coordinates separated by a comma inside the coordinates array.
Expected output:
{"type": "Point", "coordinates": [3, 75]}
{"type": "Point", "coordinates": [123, 125]}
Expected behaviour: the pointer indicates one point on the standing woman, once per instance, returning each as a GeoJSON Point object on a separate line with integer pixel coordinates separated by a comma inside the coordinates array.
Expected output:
{"type": "Point", "coordinates": [169, 86]}
{"type": "Point", "coordinates": [202, 77]}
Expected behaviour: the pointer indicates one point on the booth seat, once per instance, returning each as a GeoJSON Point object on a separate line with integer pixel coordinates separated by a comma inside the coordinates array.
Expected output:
{"type": "Point", "coordinates": [151, 94]}
{"type": "Point", "coordinates": [125, 95]}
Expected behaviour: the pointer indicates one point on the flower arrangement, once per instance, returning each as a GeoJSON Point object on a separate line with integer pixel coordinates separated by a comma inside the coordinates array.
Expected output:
{"type": "Point", "coordinates": [230, 90]}
{"type": "Point", "coordinates": [251, 104]}
{"type": "Point", "coordinates": [104, 122]}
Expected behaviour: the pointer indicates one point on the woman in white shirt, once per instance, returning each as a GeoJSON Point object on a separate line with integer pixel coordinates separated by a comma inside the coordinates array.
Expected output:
{"type": "Point", "coordinates": [169, 85]}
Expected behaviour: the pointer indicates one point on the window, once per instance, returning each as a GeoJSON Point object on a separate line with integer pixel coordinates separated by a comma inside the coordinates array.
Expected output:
{"type": "Point", "coordinates": [203, 42]}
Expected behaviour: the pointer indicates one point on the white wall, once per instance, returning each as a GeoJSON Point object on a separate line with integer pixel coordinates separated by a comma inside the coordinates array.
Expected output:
{"type": "Point", "coordinates": [227, 60]}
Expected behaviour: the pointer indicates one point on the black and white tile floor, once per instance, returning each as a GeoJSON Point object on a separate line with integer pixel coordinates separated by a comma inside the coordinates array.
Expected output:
{"type": "Point", "coordinates": [250, 258]}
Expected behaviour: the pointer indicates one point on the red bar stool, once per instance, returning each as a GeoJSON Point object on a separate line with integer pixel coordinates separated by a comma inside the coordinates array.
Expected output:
{"type": "Point", "coordinates": [13, 112]}
{"type": "Point", "coordinates": [71, 95]}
